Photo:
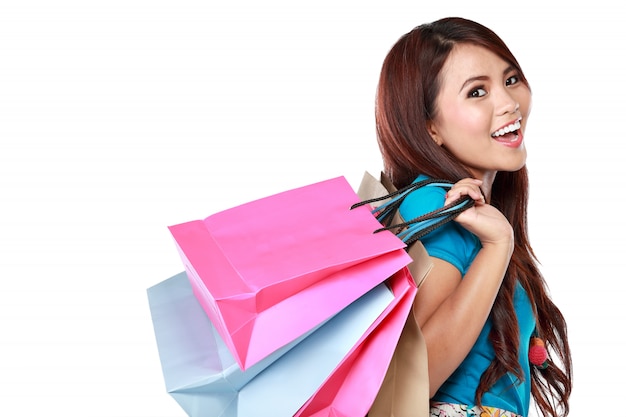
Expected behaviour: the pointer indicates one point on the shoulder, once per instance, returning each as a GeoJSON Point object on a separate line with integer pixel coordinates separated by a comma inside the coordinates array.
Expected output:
{"type": "Point", "coordinates": [422, 200]}
{"type": "Point", "coordinates": [450, 242]}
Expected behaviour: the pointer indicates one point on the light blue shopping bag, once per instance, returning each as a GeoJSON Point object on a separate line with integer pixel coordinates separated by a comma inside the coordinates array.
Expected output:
{"type": "Point", "coordinates": [204, 378]}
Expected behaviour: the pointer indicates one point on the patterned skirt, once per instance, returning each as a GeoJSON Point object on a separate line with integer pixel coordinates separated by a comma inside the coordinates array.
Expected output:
{"type": "Point", "coordinates": [438, 409]}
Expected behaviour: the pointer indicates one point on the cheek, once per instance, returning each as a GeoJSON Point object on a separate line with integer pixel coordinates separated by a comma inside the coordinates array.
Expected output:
{"type": "Point", "coordinates": [525, 102]}
{"type": "Point", "coordinates": [469, 122]}
{"type": "Point", "coordinates": [462, 120]}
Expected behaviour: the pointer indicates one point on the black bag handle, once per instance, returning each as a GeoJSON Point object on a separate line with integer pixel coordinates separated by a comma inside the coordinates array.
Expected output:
{"type": "Point", "coordinates": [415, 229]}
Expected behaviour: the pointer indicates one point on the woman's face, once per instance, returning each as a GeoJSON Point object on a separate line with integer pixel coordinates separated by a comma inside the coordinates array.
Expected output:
{"type": "Point", "coordinates": [482, 109]}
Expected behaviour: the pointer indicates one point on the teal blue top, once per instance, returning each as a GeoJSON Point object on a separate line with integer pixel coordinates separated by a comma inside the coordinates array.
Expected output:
{"type": "Point", "coordinates": [454, 244]}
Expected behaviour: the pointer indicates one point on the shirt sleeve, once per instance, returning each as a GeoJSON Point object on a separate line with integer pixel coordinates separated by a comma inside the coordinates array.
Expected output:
{"type": "Point", "coordinates": [450, 242]}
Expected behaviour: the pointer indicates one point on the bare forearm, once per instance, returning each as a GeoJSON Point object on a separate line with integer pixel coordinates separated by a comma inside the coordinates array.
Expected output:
{"type": "Point", "coordinates": [454, 327]}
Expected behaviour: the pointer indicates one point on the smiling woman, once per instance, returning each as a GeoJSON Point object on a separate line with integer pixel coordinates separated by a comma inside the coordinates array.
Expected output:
{"type": "Point", "coordinates": [482, 105]}
{"type": "Point", "coordinates": [453, 103]}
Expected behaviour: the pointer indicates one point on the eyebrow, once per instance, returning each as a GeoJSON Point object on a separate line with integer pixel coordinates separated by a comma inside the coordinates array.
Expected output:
{"type": "Point", "coordinates": [484, 77]}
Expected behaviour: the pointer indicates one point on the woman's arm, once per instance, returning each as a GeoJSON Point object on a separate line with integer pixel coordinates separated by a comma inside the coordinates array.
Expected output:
{"type": "Point", "coordinates": [452, 311]}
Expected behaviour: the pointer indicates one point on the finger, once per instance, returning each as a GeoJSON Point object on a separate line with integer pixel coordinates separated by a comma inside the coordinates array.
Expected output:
{"type": "Point", "coordinates": [457, 192]}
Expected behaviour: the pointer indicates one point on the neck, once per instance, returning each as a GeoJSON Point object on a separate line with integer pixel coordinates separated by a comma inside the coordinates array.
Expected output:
{"type": "Point", "coordinates": [487, 178]}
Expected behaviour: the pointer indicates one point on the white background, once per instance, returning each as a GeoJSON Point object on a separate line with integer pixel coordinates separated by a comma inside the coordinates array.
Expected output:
{"type": "Point", "coordinates": [119, 118]}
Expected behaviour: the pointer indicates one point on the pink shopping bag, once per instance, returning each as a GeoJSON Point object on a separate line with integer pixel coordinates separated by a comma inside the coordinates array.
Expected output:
{"type": "Point", "coordinates": [351, 389]}
{"type": "Point", "coordinates": [268, 271]}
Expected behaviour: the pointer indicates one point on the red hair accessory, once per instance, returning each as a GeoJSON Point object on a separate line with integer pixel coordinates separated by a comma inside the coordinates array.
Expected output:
{"type": "Point", "coordinates": [537, 353]}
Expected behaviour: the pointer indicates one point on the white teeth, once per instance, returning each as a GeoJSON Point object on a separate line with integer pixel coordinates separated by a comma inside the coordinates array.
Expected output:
{"type": "Point", "coordinates": [506, 129]}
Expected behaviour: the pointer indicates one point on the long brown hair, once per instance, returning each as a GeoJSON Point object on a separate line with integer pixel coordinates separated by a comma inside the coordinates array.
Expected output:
{"type": "Point", "coordinates": [406, 99]}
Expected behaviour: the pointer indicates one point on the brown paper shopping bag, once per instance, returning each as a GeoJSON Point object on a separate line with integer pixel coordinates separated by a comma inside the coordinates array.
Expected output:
{"type": "Point", "coordinates": [404, 391]}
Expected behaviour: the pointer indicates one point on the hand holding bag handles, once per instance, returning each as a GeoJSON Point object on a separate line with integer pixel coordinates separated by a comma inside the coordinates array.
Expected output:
{"type": "Point", "coordinates": [270, 291]}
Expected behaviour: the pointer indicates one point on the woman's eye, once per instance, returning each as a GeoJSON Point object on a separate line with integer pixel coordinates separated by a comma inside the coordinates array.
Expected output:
{"type": "Point", "coordinates": [477, 92]}
{"type": "Point", "coordinates": [512, 80]}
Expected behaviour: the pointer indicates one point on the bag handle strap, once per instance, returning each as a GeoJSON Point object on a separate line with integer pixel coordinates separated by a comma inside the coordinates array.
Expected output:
{"type": "Point", "coordinates": [415, 229]}
{"type": "Point", "coordinates": [422, 225]}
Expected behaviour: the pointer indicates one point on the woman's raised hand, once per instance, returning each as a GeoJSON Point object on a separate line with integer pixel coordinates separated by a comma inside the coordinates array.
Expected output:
{"type": "Point", "coordinates": [484, 220]}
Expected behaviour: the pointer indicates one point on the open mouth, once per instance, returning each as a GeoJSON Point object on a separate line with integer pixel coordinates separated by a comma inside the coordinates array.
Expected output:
{"type": "Point", "coordinates": [508, 133]}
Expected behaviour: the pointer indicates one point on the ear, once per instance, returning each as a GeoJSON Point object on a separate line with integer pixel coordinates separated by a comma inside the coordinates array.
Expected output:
{"type": "Point", "coordinates": [433, 132]}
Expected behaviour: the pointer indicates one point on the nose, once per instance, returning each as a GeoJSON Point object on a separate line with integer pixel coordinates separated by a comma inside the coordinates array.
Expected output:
{"type": "Point", "coordinates": [506, 103]}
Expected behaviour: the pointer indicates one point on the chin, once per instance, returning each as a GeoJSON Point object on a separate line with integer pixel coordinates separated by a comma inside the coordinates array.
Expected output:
{"type": "Point", "coordinates": [518, 162]}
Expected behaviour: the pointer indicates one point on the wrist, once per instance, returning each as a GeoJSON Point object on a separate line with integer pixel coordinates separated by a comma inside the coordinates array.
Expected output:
{"type": "Point", "coordinates": [504, 245]}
